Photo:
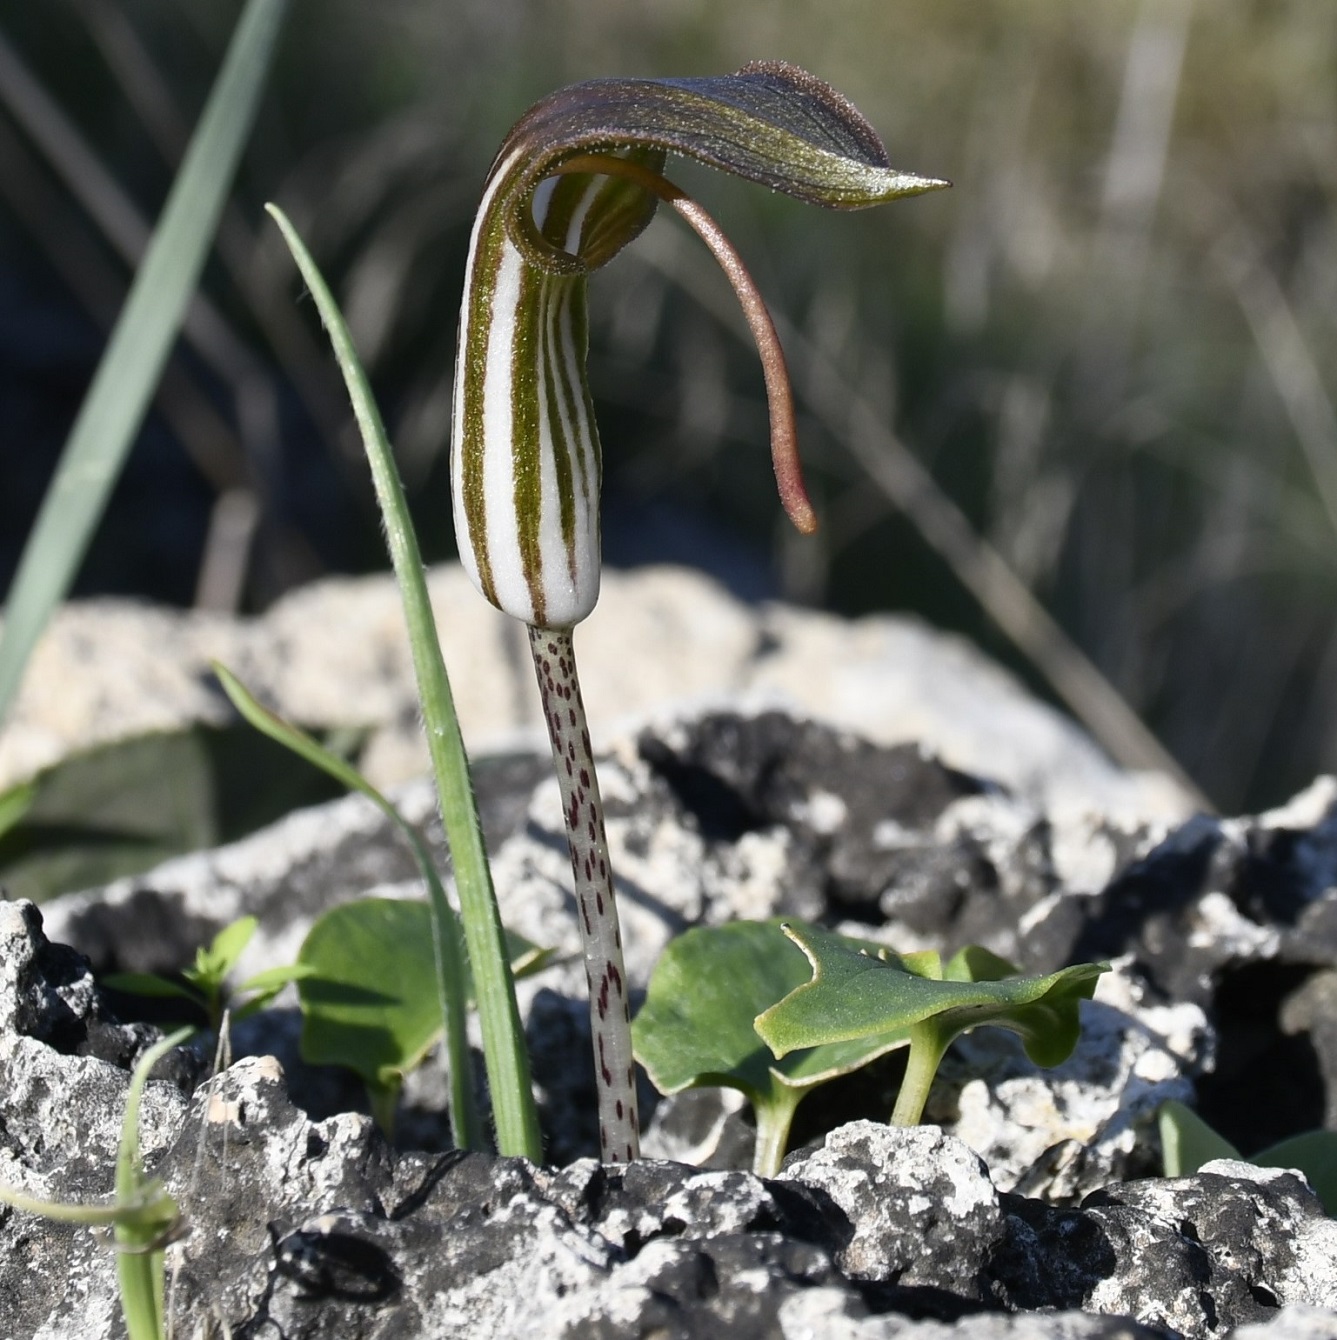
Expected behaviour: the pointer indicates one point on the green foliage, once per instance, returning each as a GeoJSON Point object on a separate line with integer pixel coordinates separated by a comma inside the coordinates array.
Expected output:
{"type": "Point", "coordinates": [1187, 1142]}
{"type": "Point", "coordinates": [368, 992]}
{"type": "Point", "coordinates": [122, 808]}
{"type": "Point", "coordinates": [442, 934]}
{"type": "Point", "coordinates": [205, 983]}
{"type": "Point", "coordinates": [695, 1029]}
{"type": "Point", "coordinates": [15, 802]}
{"type": "Point", "coordinates": [128, 374]}
{"type": "Point", "coordinates": [142, 1216]}
{"type": "Point", "coordinates": [514, 1114]}
{"type": "Point", "coordinates": [369, 999]}
{"type": "Point", "coordinates": [718, 993]}
{"type": "Point", "coordinates": [859, 993]}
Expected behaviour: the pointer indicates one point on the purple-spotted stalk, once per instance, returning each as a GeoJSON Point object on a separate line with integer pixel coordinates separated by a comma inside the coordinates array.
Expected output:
{"type": "Point", "coordinates": [579, 177]}
{"type": "Point", "coordinates": [605, 975]}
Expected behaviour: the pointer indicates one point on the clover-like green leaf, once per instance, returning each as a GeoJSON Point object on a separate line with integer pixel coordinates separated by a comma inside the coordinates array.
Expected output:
{"type": "Point", "coordinates": [578, 178]}
{"type": "Point", "coordinates": [695, 1029]}
{"type": "Point", "coordinates": [368, 989]}
{"type": "Point", "coordinates": [856, 993]}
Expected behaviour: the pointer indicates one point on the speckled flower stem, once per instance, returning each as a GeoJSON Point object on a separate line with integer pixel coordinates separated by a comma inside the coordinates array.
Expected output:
{"type": "Point", "coordinates": [610, 1016]}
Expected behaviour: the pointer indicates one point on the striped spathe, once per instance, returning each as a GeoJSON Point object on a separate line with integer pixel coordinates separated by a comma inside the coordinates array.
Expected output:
{"type": "Point", "coordinates": [525, 461]}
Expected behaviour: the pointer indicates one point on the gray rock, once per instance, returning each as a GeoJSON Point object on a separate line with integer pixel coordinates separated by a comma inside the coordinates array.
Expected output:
{"type": "Point", "coordinates": [1199, 1255]}
{"type": "Point", "coordinates": [303, 1221]}
{"type": "Point", "coordinates": [60, 1123]}
{"type": "Point", "coordinates": [1238, 916]}
{"type": "Point", "coordinates": [334, 654]}
{"type": "Point", "coordinates": [316, 1228]}
{"type": "Point", "coordinates": [831, 1316]}
{"type": "Point", "coordinates": [1294, 1323]}
{"type": "Point", "coordinates": [920, 1205]}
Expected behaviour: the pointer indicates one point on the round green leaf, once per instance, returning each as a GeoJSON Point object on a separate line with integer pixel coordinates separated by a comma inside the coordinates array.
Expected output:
{"type": "Point", "coordinates": [695, 1029]}
{"type": "Point", "coordinates": [366, 977]}
{"type": "Point", "coordinates": [368, 993]}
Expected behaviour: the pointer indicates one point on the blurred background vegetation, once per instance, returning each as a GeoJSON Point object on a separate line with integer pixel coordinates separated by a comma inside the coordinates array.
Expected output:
{"type": "Point", "coordinates": [1103, 365]}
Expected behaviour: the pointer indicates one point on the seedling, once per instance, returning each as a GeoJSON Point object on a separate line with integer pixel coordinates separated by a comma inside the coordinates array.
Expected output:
{"type": "Point", "coordinates": [205, 984]}
{"type": "Point", "coordinates": [695, 1029]}
{"type": "Point", "coordinates": [1187, 1142]}
{"type": "Point", "coordinates": [857, 993]}
{"type": "Point", "coordinates": [721, 997]}
{"type": "Point", "coordinates": [142, 1217]}
{"type": "Point", "coordinates": [577, 179]}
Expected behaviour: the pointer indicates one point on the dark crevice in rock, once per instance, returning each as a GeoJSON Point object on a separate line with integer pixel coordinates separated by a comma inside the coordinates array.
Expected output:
{"type": "Point", "coordinates": [1255, 1057]}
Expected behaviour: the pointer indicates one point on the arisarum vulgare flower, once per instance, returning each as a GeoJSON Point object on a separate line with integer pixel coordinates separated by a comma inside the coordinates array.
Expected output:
{"type": "Point", "coordinates": [578, 178]}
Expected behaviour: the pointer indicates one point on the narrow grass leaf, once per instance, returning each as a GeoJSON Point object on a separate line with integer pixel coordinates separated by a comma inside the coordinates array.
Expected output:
{"type": "Point", "coordinates": [118, 399]}
{"type": "Point", "coordinates": [514, 1114]}
{"type": "Point", "coordinates": [140, 1238]}
{"type": "Point", "coordinates": [444, 932]}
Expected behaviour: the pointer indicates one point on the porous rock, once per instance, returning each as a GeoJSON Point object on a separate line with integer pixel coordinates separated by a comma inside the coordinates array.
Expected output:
{"type": "Point", "coordinates": [920, 1205]}
{"type": "Point", "coordinates": [316, 1228]}
{"type": "Point", "coordinates": [1197, 1256]}
{"type": "Point", "coordinates": [63, 1083]}
{"type": "Point", "coordinates": [714, 815]}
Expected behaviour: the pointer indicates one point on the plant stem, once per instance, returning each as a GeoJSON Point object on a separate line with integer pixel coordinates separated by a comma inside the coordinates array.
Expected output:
{"type": "Point", "coordinates": [494, 990]}
{"type": "Point", "coordinates": [927, 1045]}
{"type": "Point", "coordinates": [582, 808]}
{"type": "Point", "coordinates": [774, 1118]}
{"type": "Point", "coordinates": [139, 1259]}
{"type": "Point", "coordinates": [465, 1124]}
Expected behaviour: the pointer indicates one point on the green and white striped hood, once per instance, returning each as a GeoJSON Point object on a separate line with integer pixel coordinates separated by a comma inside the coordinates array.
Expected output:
{"type": "Point", "coordinates": [525, 465]}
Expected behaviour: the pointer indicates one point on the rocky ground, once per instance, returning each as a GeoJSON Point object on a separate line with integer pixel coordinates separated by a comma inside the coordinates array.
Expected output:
{"type": "Point", "coordinates": [1030, 1206]}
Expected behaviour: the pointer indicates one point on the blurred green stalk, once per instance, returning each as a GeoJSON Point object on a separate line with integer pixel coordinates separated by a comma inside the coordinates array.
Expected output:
{"type": "Point", "coordinates": [128, 374]}
{"type": "Point", "coordinates": [504, 1050]}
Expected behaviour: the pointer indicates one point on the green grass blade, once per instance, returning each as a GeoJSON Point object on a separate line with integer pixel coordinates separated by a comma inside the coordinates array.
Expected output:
{"type": "Point", "coordinates": [503, 1038]}
{"type": "Point", "coordinates": [464, 1122]}
{"type": "Point", "coordinates": [128, 374]}
{"type": "Point", "coordinates": [139, 1246]}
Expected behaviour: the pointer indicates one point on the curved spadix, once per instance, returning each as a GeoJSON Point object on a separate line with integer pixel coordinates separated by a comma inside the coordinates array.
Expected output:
{"type": "Point", "coordinates": [578, 177]}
